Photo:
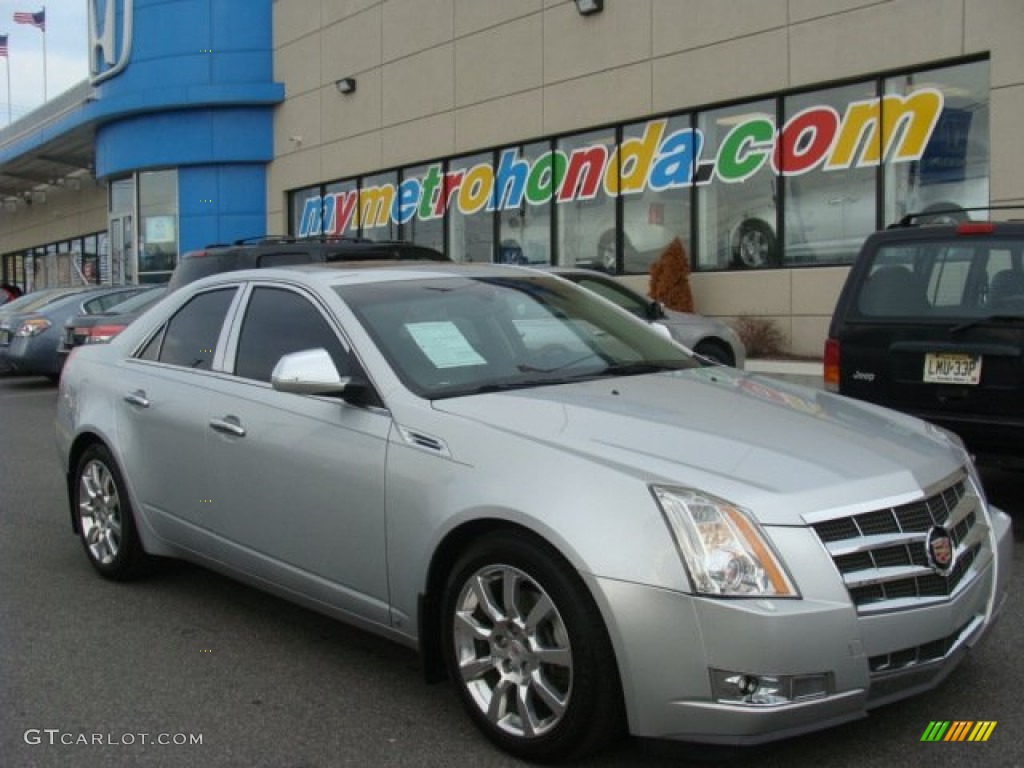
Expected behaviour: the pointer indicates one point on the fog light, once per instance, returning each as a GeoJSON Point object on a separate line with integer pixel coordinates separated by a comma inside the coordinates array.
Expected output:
{"type": "Point", "coordinates": [747, 685]}
{"type": "Point", "coordinates": [767, 690]}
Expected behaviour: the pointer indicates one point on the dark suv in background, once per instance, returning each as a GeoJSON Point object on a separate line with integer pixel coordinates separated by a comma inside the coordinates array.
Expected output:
{"type": "Point", "coordinates": [284, 251]}
{"type": "Point", "coordinates": [931, 322]}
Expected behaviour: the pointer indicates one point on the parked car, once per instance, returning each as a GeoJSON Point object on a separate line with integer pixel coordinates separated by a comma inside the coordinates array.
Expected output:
{"type": "Point", "coordinates": [282, 251]}
{"type": "Point", "coordinates": [564, 512]}
{"type": "Point", "coordinates": [33, 300]}
{"type": "Point", "coordinates": [29, 337]}
{"type": "Point", "coordinates": [101, 327]}
{"type": "Point", "coordinates": [711, 339]}
{"type": "Point", "coordinates": [930, 321]}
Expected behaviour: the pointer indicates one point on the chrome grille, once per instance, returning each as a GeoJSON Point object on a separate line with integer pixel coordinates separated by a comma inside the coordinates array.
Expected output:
{"type": "Point", "coordinates": [882, 555]}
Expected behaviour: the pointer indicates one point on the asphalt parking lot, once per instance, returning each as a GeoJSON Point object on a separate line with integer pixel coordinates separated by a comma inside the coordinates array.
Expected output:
{"type": "Point", "coordinates": [99, 674]}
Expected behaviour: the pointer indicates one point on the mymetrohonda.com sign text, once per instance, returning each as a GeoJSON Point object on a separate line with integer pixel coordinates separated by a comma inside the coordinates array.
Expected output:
{"type": "Point", "coordinates": [892, 129]}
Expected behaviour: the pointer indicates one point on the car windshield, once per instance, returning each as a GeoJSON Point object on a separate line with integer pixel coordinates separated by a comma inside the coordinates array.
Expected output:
{"type": "Point", "coordinates": [446, 337]}
{"type": "Point", "coordinates": [956, 278]}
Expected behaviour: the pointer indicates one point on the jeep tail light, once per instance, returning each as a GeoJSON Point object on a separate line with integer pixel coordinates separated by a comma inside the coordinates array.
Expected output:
{"type": "Point", "coordinates": [831, 366]}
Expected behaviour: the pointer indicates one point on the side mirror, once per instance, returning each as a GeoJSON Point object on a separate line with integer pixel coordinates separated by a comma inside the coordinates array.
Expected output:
{"type": "Point", "coordinates": [312, 372]}
{"type": "Point", "coordinates": [655, 311]}
{"type": "Point", "coordinates": [662, 331]}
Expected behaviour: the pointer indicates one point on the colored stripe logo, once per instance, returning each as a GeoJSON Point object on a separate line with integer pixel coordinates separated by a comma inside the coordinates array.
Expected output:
{"type": "Point", "coordinates": [958, 730]}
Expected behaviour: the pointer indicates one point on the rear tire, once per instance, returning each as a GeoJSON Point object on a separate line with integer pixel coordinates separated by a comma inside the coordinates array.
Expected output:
{"type": "Point", "coordinates": [755, 246]}
{"type": "Point", "coordinates": [104, 516]}
{"type": "Point", "coordinates": [527, 649]}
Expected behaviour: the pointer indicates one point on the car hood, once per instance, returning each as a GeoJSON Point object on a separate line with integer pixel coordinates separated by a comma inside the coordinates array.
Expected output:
{"type": "Point", "coordinates": [780, 450]}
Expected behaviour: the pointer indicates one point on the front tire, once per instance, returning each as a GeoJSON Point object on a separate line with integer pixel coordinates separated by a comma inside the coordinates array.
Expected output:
{"type": "Point", "coordinates": [104, 517]}
{"type": "Point", "coordinates": [528, 650]}
{"type": "Point", "coordinates": [716, 351]}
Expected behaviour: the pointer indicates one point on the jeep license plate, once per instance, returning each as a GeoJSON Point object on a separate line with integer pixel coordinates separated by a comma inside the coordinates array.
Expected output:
{"type": "Point", "coordinates": [942, 368]}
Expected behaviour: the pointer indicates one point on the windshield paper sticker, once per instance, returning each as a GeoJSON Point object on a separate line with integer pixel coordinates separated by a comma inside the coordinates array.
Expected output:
{"type": "Point", "coordinates": [444, 344]}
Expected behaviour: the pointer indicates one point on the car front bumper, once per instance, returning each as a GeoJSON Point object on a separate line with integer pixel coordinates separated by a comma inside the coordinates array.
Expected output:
{"type": "Point", "coordinates": [668, 645]}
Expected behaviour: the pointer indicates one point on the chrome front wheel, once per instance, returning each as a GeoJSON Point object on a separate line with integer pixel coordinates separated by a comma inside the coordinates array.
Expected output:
{"type": "Point", "coordinates": [513, 651]}
{"type": "Point", "coordinates": [528, 650]}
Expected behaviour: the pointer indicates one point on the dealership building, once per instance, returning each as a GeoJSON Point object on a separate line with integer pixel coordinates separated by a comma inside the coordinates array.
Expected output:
{"type": "Point", "coordinates": [768, 136]}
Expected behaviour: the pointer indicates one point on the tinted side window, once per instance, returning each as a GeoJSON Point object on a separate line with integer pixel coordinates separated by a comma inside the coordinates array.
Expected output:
{"type": "Point", "coordinates": [284, 259]}
{"type": "Point", "coordinates": [278, 322]}
{"type": "Point", "coordinates": [152, 349]}
{"type": "Point", "coordinates": [190, 338]}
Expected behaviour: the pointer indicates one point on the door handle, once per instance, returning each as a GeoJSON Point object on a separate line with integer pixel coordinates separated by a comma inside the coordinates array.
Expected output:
{"type": "Point", "coordinates": [228, 425]}
{"type": "Point", "coordinates": [138, 397]}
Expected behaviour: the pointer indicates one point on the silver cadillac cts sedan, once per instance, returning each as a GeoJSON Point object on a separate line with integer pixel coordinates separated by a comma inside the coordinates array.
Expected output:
{"type": "Point", "coordinates": [582, 527]}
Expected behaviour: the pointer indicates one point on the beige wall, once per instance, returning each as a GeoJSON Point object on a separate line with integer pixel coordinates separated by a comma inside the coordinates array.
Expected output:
{"type": "Point", "coordinates": [65, 214]}
{"type": "Point", "coordinates": [440, 77]}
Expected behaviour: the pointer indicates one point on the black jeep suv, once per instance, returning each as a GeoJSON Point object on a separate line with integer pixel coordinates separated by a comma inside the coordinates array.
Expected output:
{"type": "Point", "coordinates": [283, 251]}
{"type": "Point", "coordinates": [931, 322]}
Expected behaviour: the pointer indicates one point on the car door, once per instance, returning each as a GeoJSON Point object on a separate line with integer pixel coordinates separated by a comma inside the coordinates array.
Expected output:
{"type": "Point", "coordinates": [297, 492]}
{"type": "Point", "coordinates": [161, 416]}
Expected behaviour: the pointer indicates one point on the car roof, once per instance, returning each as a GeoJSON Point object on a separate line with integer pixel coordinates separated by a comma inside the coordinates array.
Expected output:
{"type": "Point", "coordinates": [327, 276]}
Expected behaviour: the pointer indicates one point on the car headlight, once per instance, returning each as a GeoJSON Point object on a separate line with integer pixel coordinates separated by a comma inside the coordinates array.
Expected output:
{"type": "Point", "coordinates": [33, 327]}
{"type": "Point", "coordinates": [723, 548]}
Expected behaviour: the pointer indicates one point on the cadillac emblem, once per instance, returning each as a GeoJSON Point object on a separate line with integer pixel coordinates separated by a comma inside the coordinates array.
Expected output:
{"type": "Point", "coordinates": [938, 548]}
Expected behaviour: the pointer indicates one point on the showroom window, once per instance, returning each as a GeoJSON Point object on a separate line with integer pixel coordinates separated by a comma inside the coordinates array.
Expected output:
{"type": "Point", "coordinates": [827, 212]}
{"type": "Point", "coordinates": [466, 190]}
{"type": "Point", "coordinates": [524, 227]}
{"type": "Point", "coordinates": [306, 211]}
{"type": "Point", "coordinates": [953, 172]}
{"type": "Point", "coordinates": [340, 209]}
{"type": "Point", "coordinates": [656, 212]}
{"type": "Point", "coordinates": [585, 212]}
{"type": "Point", "coordinates": [419, 221]}
{"type": "Point", "coordinates": [736, 214]}
{"type": "Point", "coordinates": [376, 204]}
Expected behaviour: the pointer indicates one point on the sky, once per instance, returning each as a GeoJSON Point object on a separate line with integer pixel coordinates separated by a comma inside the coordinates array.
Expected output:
{"type": "Point", "coordinates": [66, 53]}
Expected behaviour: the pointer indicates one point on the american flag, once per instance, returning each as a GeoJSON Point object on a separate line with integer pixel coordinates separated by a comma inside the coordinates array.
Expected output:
{"type": "Point", "coordinates": [3, 46]}
{"type": "Point", "coordinates": [35, 19]}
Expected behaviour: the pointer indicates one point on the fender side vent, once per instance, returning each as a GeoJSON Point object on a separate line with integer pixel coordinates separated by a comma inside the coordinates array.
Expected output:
{"type": "Point", "coordinates": [424, 441]}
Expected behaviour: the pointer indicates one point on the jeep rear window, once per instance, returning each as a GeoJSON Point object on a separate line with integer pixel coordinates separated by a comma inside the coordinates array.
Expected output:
{"type": "Point", "coordinates": [954, 278]}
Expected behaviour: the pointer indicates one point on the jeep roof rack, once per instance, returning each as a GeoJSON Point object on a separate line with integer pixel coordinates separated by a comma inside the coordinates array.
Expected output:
{"type": "Point", "coordinates": [910, 219]}
{"type": "Point", "coordinates": [261, 239]}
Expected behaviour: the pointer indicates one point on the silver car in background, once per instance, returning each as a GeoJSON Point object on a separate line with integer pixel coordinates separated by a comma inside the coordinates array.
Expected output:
{"type": "Point", "coordinates": [572, 520]}
{"type": "Point", "coordinates": [708, 337]}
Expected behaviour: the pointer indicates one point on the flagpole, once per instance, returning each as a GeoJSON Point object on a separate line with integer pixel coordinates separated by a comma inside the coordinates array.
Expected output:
{"type": "Point", "coordinates": [9, 118]}
{"type": "Point", "coordinates": [44, 54]}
